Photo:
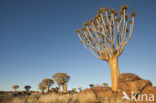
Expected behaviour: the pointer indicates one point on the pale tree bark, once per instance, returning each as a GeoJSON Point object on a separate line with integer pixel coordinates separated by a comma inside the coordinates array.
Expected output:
{"type": "Point", "coordinates": [106, 37]}
{"type": "Point", "coordinates": [59, 88]}
{"type": "Point", "coordinates": [113, 63]}
{"type": "Point", "coordinates": [64, 87]}
{"type": "Point", "coordinates": [47, 89]}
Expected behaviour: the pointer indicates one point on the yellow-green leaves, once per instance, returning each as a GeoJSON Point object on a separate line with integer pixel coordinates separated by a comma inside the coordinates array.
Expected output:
{"type": "Point", "coordinates": [112, 11]}
{"type": "Point", "coordinates": [77, 30]}
{"type": "Point", "coordinates": [133, 14]}
{"type": "Point", "coordinates": [61, 78]}
{"type": "Point", "coordinates": [47, 82]}
{"type": "Point", "coordinates": [124, 7]}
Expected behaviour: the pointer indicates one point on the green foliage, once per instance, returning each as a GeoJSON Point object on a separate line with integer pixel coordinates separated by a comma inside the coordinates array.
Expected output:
{"type": "Point", "coordinates": [124, 7]}
{"type": "Point", "coordinates": [41, 86]}
{"type": "Point", "coordinates": [133, 14]}
{"type": "Point", "coordinates": [15, 87]}
{"type": "Point", "coordinates": [91, 85]}
{"type": "Point", "coordinates": [105, 84]}
{"type": "Point", "coordinates": [47, 82]}
{"type": "Point", "coordinates": [77, 30]}
{"type": "Point", "coordinates": [27, 87]}
{"type": "Point", "coordinates": [61, 78]}
{"type": "Point", "coordinates": [74, 90]}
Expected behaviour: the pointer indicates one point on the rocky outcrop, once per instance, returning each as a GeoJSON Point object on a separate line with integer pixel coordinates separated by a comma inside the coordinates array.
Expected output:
{"type": "Point", "coordinates": [128, 82]}
{"type": "Point", "coordinates": [135, 85]}
{"type": "Point", "coordinates": [100, 92]}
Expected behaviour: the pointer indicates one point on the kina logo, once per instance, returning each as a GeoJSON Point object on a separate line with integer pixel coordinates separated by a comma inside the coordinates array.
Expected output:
{"type": "Point", "coordinates": [138, 97]}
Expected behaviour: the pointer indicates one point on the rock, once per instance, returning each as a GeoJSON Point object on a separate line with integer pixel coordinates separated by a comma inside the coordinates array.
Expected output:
{"type": "Point", "coordinates": [149, 91]}
{"type": "Point", "coordinates": [100, 92]}
{"type": "Point", "coordinates": [128, 77]}
{"type": "Point", "coordinates": [129, 82]}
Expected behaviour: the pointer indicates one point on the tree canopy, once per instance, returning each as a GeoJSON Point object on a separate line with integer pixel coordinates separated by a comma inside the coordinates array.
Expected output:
{"type": "Point", "coordinates": [15, 87]}
{"type": "Point", "coordinates": [47, 82]}
{"type": "Point", "coordinates": [41, 87]}
{"type": "Point", "coordinates": [27, 87]}
{"type": "Point", "coordinates": [61, 78]}
{"type": "Point", "coordinates": [108, 33]}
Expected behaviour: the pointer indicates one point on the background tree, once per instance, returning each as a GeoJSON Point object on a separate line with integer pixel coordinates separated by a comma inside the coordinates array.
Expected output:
{"type": "Point", "coordinates": [27, 87]}
{"type": "Point", "coordinates": [54, 90]}
{"type": "Point", "coordinates": [62, 79]}
{"type": "Point", "coordinates": [105, 84]}
{"type": "Point", "coordinates": [107, 35]}
{"type": "Point", "coordinates": [15, 87]}
{"type": "Point", "coordinates": [80, 89]}
{"type": "Point", "coordinates": [47, 83]}
{"type": "Point", "coordinates": [74, 90]}
{"type": "Point", "coordinates": [42, 87]}
{"type": "Point", "coordinates": [91, 85]}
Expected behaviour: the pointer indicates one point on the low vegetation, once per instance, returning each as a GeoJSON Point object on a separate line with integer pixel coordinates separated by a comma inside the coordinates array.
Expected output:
{"type": "Point", "coordinates": [55, 98]}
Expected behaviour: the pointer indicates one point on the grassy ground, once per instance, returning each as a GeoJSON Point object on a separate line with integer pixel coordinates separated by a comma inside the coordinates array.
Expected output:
{"type": "Point", "coordinates": [54, 98]}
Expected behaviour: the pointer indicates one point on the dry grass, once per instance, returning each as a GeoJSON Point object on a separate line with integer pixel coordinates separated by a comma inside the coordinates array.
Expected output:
{"type": "Point", "coordinates": [54, 98]}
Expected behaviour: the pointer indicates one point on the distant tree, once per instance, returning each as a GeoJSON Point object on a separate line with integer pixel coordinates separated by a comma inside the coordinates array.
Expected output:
{"type": "Point", "coordinates": [54, 90]}
{"type": "Point", "coordinates": [62, 79]}
{"type": "Point", "coordinates": [107, 35]}
{"type": "Point", "coordinates": [42, 87]}
{"type": "Point", "coordinates": [15, 87]}
{"type": "Point", "coordinates": [91, 85]}
{"type": "Point", "coordinates": [74, 90]}
{"type": "Point", "coordinates": [27, 87]}
{"type": "Point", "coordinates": [105, 84]}
{"type": "Point", "coordinates": [47, 83]}
{"type": "Point", "coordinates": [80, 89]}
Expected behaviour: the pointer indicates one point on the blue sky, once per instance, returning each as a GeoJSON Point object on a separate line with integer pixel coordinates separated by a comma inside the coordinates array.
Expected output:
{"type": "Point", "coordinates": [38, 39]}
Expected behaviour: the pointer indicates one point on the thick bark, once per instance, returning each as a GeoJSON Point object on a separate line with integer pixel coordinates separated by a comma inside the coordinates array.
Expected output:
{"type": "Point", "coordinates": [113, 63]}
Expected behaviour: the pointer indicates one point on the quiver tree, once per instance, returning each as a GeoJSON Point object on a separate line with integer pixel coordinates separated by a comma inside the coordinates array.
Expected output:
{"type": "Point", "coordinates": [105, 84]}
{"type": "Point", "coordinates": [62, 79]}
{"type": "Point", "coordinates": [91, 85]}
{"type": "Point", "coordinates": [47, 83]}
{"type": "Point", "coordinates": [15, 87]}
{"type": "Point", "coordinates": [107, 35]}
{"type": "Point", "coordinates": [74, 90]}
{"type": "Point", "coordinates": [80, 89]}
{"type": "Point", "coordinates": [42, 87]}
{"type": "Point", "coordinates": [27, 87]}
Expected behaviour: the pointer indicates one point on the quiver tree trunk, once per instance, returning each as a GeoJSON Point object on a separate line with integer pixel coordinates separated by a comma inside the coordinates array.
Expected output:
{"type": "Point", "coordinates": [47, 89]}
{"type": "Point", "coordinates": [64, 88]}
{"type": "Point", "coordinates": [59, 90]}
{"type": "Point", "coordinates": [42, 91]}
{"type": "Point", "coordinates": [113, 63]}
